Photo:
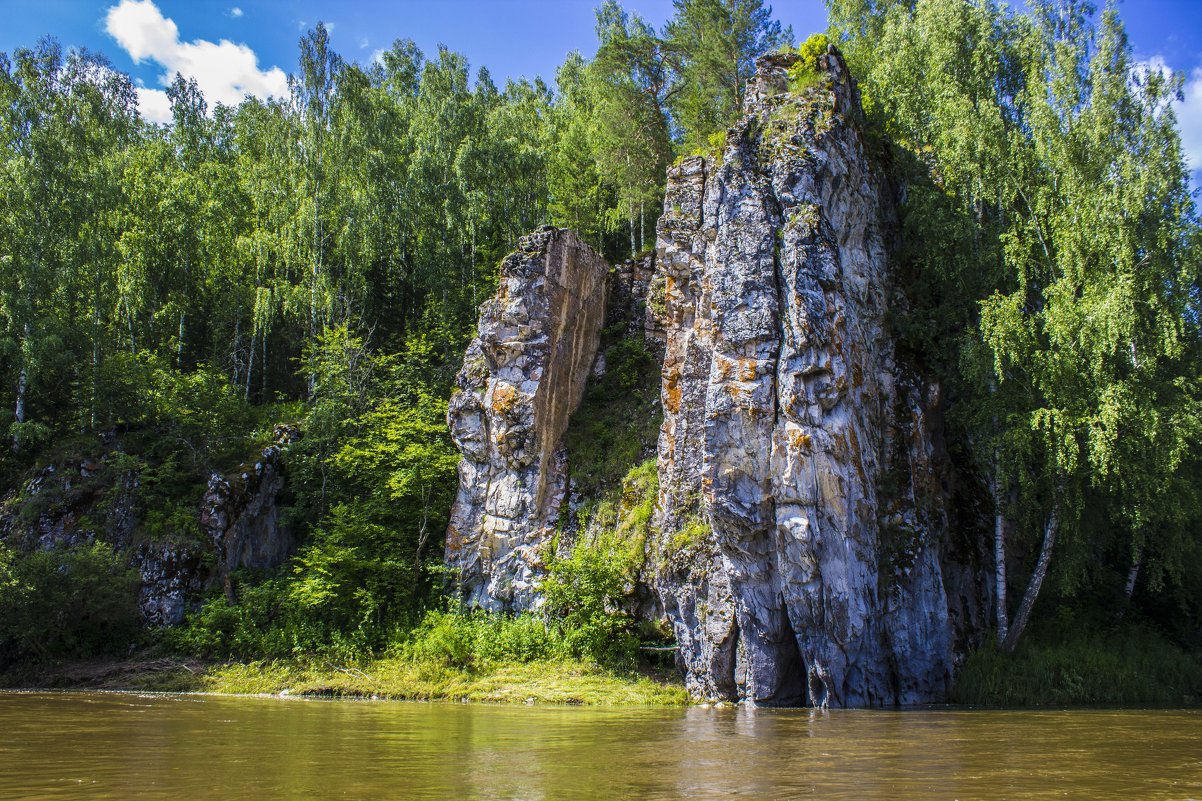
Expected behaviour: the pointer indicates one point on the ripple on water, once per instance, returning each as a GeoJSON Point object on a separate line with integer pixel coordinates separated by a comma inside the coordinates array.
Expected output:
{"type": "Point", "coordinates": [112, 746]}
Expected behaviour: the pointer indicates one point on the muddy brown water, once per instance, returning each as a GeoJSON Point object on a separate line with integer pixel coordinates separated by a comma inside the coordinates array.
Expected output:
{"type": "Point", "coordinates": [201, 748]}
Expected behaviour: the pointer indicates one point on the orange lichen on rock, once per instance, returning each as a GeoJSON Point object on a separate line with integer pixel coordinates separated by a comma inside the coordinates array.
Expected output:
{"type": "Point", "coordinates": [671, 390]}
{"type": "Point", "coordinates": [504, 398]}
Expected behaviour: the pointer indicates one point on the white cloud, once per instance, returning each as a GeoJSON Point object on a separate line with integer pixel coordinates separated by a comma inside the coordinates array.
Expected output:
{"type": "Point", "coordinates": [225, 72]}
{"type": "Point", "coordinates": [1188, 109]}
{"type": "Point", "coordinates": [1189, 115]}
{"type": "Point", "coordinates": [364, 43]}
{"type": "Point", "coordinates": [154, 104]}
{"type": "Point", "coordinates": [235, 12]}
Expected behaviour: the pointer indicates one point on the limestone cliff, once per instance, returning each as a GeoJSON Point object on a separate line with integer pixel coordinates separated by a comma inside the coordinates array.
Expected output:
{"type": "Point", "coordinates": [800, 547]}
{"type": "Point", "coordinates": [523, 376]}
{"type": "Point", "coordinates": [801, 507]}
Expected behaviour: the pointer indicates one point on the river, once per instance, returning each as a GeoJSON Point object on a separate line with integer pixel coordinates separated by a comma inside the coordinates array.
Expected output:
{"type": "Point", "coordinates": [203, 748]}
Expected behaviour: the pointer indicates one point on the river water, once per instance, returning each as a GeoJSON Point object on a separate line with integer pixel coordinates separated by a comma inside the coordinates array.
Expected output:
{"type": "Point", "coordinates": [199, 748]}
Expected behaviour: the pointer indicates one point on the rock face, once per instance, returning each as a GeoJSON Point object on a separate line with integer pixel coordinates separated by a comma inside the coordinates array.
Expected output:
{"type": "Point", "coordinates": [240, 515]}
{"type": "Point", "coordinates": [632, 287]}
{"type": "Point", "coordinates": [801, 506]}
{"type": "Point", "coordinates": [522, 378]}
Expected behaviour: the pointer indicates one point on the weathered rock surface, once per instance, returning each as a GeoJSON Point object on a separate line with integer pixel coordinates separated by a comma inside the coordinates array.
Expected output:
{"type": "Point", "coordinates": [523, 376]}
{"type": "Point", "coordinates": [240, 513]}
{"type": "Point", "coordinates": [636, 300]}
{"type": "Point", "coordinates": [801, 502]}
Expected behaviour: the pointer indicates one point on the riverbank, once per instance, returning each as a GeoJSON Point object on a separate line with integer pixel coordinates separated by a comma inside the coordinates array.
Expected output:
{"type": "Point", "coordinates": [553, 682]}
{"type": "Point", "coordinates": [1129, 666]}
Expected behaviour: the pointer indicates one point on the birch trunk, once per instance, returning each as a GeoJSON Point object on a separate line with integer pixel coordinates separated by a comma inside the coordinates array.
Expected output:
{"type": "Point", "coordinates": [1041, 571]}
{"type": "Point", "coordinates": [22, 387]}
{"type": "Point", "coordinates": [999, 558]}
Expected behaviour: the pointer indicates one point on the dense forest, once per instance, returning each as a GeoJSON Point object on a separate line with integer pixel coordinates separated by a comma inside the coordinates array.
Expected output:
{"type": "Point", "coordinates": [169, 293]}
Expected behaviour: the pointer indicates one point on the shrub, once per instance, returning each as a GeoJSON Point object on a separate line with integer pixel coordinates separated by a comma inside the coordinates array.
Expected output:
{"type": "Point", "coordinates": [1129, 665]}
{"type": "Point", "coordinates": [459, 639]}
{"type": "Point", "coordinates": [586, 594]}
{"type": "Point", "coordinates": [67, 602]}
{"type": "Point", "coordinates": [805, 73]}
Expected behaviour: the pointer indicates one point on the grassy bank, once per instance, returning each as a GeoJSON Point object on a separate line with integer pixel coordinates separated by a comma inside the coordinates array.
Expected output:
{"type": "Point", "coordinates": [449, 655]}
{"type": "Point", "coordinates": [551, 682]}
{"type": "Point", "coordinates": [1069, 666]}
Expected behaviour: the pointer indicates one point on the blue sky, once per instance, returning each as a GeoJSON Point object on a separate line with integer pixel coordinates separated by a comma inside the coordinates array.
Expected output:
{"type": "Point", "coordinates": [237, 46]}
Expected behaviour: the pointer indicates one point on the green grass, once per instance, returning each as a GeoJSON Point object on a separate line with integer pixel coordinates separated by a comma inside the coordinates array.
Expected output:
{"type": "Point", "coordinates": [549, 681]}
{"type": "Point", "coordinates": [1128, 665]}
{"type": "Point", "coordinates": [552, 682]}
{"type": "Point", "coordinates": [450, 655]}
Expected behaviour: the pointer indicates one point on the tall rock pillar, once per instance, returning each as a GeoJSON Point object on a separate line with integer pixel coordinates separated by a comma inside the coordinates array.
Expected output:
{"type": "Point", "coordinates": [801, 511]}
{"type": "Point", "coordinates": [522, 377]}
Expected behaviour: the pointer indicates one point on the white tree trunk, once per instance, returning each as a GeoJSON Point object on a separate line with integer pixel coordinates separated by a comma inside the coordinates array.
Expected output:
{"type": "Point", "coordinates": [179, 343]}
{"type": "Point", "coordinates": [1132, 577]}
{"type": "Point", "coordinates": [22, 386]}
{"type": "Point", "coordinates": [1041, 571]}
{"type": "Point", "coordinates": [999, 559]}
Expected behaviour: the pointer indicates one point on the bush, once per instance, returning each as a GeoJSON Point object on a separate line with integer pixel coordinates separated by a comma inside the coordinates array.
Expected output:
{"type": "Point", "coordinates": [270, 618]}
{"type": "Point", "coordinates": [586, 594]}
{"type": "Point", "coordinates": [805, 73]}
{"type": "Point", "coordinates": [458, 639]}
{"type": "Point", "coordinates": [67, 602]}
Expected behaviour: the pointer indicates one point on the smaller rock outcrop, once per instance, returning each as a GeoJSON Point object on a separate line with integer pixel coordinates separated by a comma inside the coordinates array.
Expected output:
{"type": "Point", "coordinates": [79, 500]}
{"type": "Point", "coordinates": [239, 514]}
{"type": "Point", "coordinates": [522, 377]}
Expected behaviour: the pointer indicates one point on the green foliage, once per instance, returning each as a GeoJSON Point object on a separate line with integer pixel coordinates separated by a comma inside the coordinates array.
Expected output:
{"type": "Point", "coordinates": [372, 484]}
{"type": "Point", "coordinates": [617, 423]}
{"type": "Point", "coordinates": [277, 616]}
{"type": "Point", "coordinates": [590, 583]}
{"type": "Point", "coordinates": [253, 627]}
{"type": "Point", "coordinates": [586, 592]}
{"type": "Point", "coordinates": [477, 640]}
{"type": "Point", "coordinates": [67, 602]}
{"type": "Point", "coordinates": [348, 579]}
{"type": "Point", "coordinates": [712, 149]}
{"type": "Point", "coordinates": [814, 46]}
{"type": "Point", "coordinates": [197, 414]}
{"type": "Point", "coordinates": [1078, 666]}
{"type": "Point", "coordinates": [692, 536]}
{"type": "Point", "coordinates": [1051, 267]}
{"type": "Point", "coordinates": [805, 73]}
{"type": "Point", "coordinates": [718, 43]}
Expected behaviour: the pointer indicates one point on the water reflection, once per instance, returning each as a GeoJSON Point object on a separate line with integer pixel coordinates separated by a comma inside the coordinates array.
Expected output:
{"type": "Point", "coordinates": [169, 747]}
